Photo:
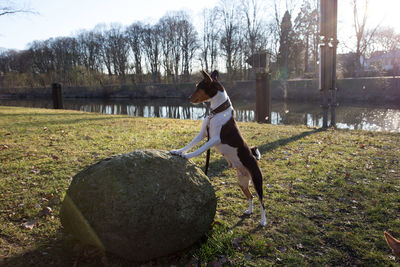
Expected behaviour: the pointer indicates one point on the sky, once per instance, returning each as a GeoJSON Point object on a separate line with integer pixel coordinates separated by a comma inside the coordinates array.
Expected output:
{"type": "Point", "coordinates": [66, 17]}
{"type": "Point", "coordinates": [56, 18]}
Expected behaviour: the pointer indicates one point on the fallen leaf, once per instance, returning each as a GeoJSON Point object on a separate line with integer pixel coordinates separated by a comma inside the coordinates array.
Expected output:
{"type": "Point", "coordinates": [30, 224]}
{"type": "Point", "coordinates": [3, 147]}
{"type": "Point", "coordinates": [45, 211]}
{"type": "Point", "coordinates": [35, 170]}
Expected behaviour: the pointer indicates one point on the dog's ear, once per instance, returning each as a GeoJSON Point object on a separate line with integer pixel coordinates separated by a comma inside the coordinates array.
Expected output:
{"type": "Point", "coordinates": [206, 76]}
{"type": "Point", "coordinates": [215, 75]}
{"type": "Point", "coordinates": [393, 243]}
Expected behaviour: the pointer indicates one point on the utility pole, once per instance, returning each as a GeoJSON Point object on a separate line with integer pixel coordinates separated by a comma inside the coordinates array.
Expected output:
{"type": "Point", "coordinates": [327, 72]}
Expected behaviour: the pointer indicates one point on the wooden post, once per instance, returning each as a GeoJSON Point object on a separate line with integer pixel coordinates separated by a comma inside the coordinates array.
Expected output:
{"type": "Point", "coordinates": [263, 97]}
{"type": "Point", "coordinates": [58, 98]}
{"type": "Point", "coordinates": [260, 63]}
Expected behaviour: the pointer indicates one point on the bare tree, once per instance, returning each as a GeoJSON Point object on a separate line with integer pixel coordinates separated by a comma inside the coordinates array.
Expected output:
{"type": "Point", "coordinates": [168, 32]}
{"type": "Point", "coordinates": [363, 35]}
{"type": "Point", "coordinates": [230, 34]}
{"type": "Point", "coordinates": [280, 7]}
{"type": "Point", "coordinates": [114, 49]}
{"type": "Point", "coordinates": [152, 49]}
{"type": "Point", "coordinates": [42, 57]}
{"type": "Point", "coordinates": [120, 50]}
{"type": "Point", "coordinates": [386, 39]}
{"type": "Point", "coordinates": [210, 39]}
{"type": "Point", "coordinates": [306, 31]}
{"type": "Point", "coordinates": [135, 38]}
{"type": "Point", "coordinates": [11, 8]}
{"type": "Point", "coordinates": [90, 49]}
{"type": "Point", "coordinates": [105, 49]}
{"type": "Point", "coordinates": [189, 45]}
{"type": "Point", "coordinates": [254, 25]}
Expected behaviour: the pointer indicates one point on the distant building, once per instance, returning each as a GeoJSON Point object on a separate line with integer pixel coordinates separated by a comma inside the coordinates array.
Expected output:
{"type": "Point", "coordinates": [383, 61]}
{"type": "Point", "coordinates": [378, 64]}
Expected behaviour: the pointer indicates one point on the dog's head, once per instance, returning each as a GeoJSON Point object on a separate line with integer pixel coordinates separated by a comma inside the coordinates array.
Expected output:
{"type": "Point", "coordinates": [207, 88]}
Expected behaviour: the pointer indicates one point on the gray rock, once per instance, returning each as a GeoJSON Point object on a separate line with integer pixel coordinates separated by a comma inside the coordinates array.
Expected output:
{"type": "Point", "coordinates": [140, 205]}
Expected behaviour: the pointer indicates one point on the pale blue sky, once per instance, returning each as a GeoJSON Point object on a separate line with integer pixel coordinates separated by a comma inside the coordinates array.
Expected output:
{"type": "Point", "coordinates": [66, 17]}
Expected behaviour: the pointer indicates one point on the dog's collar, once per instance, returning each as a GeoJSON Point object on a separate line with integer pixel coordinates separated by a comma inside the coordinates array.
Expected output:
{"type": "Point", "coordinates": [224, 106]}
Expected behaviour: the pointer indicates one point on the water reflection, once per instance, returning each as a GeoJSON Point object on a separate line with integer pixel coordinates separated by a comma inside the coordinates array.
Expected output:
{"type": "Point", "coordinates": [348, 116]}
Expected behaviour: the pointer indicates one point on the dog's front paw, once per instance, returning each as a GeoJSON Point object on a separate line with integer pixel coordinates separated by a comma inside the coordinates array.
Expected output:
{"type": "Point", "coordinates": [184, 156]}
{"type": "Point", "coordinates": [175, 152]}
{"type": "Point", "coordinates": [263, 222]}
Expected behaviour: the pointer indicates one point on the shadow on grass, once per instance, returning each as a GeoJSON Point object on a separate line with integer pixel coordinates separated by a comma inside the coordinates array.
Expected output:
{"type": "Point", "coordinates": [63, 122]}
{"type": "Point", "coordinates": [66, 251]}
{"type": "Point", "coordinates": [57, 252]}
{"type": "Point", "coordinates": [282, 142]}
{"type": "Point", "coordinates": [33, 114]}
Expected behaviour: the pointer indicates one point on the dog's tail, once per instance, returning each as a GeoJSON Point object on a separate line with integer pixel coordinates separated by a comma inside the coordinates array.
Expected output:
{"type": "Point", "coordinates": [256, 153]}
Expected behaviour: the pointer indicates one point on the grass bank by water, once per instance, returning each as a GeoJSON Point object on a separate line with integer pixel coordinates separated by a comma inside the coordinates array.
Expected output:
{"type": "Point", "coordinates": [329, 194]}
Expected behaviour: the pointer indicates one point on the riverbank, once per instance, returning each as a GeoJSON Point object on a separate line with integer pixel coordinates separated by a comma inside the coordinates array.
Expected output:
{"type": "Point", "coordinates": [359, 116]}
{"type": "Point", "coordinates": [329, 194]}
{"type": "Point", "coordinates": [376, 90]}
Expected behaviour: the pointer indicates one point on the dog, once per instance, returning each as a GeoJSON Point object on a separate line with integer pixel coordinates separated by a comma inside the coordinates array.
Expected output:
{"type": "Point", "coordinates": [225, 136]}
{"type": "Point", "coordinates": [393, 243]}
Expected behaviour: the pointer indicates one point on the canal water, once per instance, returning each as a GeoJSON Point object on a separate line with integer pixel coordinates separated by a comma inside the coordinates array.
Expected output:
{"type": "Point", "coordinates": [357, 116]}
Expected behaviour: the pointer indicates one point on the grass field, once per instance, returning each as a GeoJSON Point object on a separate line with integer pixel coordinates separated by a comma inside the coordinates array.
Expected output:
{"type": "Point", "coordinates": [329, 194]}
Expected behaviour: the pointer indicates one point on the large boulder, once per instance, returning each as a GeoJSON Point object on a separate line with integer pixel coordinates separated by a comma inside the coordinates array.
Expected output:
{"type": "Point", "coordinates": [140, 205]}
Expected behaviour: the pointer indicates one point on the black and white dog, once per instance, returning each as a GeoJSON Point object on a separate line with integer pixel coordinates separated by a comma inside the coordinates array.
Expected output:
{"type": "Point", "coordinates": [224, 134]}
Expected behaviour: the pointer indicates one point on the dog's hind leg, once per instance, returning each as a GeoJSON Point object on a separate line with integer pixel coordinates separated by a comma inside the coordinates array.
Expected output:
{"type": "Point", "coordinates": [256, 177]}
{"type": "Point", "coordinates": [258, 186]}
{"type": "Point", "coordinates": [263, 221]}
{"type": "Point", "coordinates": [244, 181]}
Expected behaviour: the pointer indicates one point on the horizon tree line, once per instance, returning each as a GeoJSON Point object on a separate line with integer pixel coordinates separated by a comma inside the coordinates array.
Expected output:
{"type": "Point", "coordinates": [168, 51]}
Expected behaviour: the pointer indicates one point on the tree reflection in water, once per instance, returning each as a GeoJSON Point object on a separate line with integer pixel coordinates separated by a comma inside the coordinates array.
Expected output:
{"type": "Point", "coordinates": [358, 116]}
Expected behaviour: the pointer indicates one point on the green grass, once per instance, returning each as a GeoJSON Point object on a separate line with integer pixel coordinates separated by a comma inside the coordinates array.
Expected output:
{"type": "Point", "coordinates": [329, 194]}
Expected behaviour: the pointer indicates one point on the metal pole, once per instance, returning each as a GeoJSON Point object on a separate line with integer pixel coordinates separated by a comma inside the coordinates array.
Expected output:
{"type": "Point", "coordinates": [334, 43]}
{"type": "Point", "coordinates": [322, 67]}
{"type": "Point", "coordinates": [328, 33]}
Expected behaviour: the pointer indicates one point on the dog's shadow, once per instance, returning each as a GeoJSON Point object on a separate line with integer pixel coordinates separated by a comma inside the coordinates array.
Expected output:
{"type": "Point", "coordinates": [241, 222]}
{"type": "Point", "coordinates": [282, 142]}
{"type": "Point", "coordinates": [242, 219]}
